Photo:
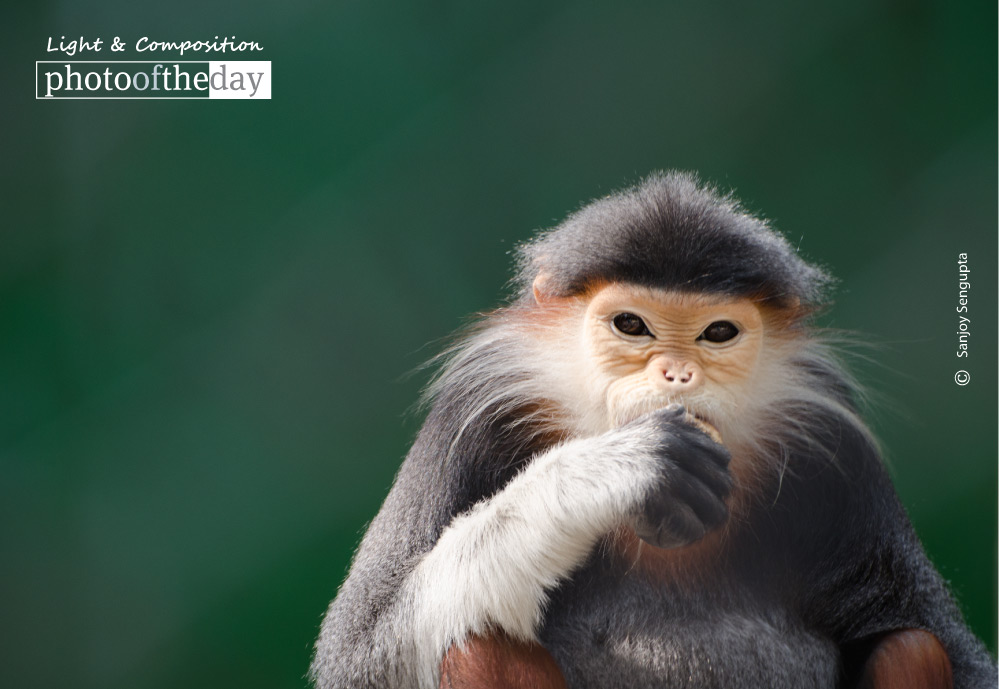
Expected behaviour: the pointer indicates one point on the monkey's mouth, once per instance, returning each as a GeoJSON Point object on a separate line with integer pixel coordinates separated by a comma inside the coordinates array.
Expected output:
{"type": "Point", "coordinates": [647, 405]}
{"type": "Point", "coordinates": [705, 424]}
{"type": "Point", "coordinates": [698, 416]}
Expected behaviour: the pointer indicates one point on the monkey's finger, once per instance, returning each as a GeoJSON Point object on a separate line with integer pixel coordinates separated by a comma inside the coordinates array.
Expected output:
{"type": "Point", "coordinates": [680, 526]}
{"type": "Point", "coordinates": [695, 452]}
{"type": "Point", "coordinates": [714, 478]}
{"type": "Point", "coordinates": [716, 452]}
{"type": "Point", "coordinates": [672, 412]}
{"type": "Point", "coordinates": [710, 463]}
{"type": "Point", "coordinates": [707, 503]}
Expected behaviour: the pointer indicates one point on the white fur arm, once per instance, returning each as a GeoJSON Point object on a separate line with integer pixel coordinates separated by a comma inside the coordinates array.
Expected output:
{"type": "Point", "coordinates": [492, 566]}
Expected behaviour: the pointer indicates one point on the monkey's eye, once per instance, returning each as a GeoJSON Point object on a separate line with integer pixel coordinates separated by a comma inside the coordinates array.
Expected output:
{"type": "Point", "coordinates": [630, 324]}
{"type": "Point", "coordinates": [719, 331]}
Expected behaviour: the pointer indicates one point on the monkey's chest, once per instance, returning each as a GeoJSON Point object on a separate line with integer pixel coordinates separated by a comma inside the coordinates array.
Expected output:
{"type": "Point", "coordinates": [648, 643]}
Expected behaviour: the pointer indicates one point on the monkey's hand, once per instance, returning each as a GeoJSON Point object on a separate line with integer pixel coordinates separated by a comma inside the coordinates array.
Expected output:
{"type": "Point", "coordinates": [689, 498]}
{"type": "Point", "coordinates": [491, 568]}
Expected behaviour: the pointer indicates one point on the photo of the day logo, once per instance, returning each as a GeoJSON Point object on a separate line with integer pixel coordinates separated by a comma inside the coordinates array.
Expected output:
{"type": "Point", "coordinates": [177, 79]}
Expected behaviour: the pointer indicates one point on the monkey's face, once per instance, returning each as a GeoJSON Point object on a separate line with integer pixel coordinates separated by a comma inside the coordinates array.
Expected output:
{"type": "Point", "coordinates": [647, 348]}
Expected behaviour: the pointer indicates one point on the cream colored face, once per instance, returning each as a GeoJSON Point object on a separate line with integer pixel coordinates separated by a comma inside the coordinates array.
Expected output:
{"type": "Point", "coordinates": [647, 348]}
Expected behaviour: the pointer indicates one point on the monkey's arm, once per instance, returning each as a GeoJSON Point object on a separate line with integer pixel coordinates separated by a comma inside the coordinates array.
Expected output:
{"type": "Point", "coordinates": [906, 628]}
{"type": "Point", "coordinates": [870, 578]}
{"type": "Point", "coordinates": [404, 605]}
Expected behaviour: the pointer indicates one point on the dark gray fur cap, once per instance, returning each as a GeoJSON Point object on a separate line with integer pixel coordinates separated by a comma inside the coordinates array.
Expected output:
{"type": "Point", "coordinates": [673, 232]}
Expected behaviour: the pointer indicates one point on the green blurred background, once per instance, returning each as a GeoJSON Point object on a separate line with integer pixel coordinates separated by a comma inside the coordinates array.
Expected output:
{"type": "Point", "coordinates": [207, 309]}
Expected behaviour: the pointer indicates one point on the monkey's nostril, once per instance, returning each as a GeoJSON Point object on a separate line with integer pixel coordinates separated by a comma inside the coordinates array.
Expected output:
{"type": "Point", "coordinates": [684, 377]}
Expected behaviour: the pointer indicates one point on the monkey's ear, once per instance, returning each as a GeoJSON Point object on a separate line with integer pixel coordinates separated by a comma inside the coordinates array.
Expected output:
{"type": "Point", "coordinates": [795, 308]}
{"type": "Point", "coordinates": [541, 296]}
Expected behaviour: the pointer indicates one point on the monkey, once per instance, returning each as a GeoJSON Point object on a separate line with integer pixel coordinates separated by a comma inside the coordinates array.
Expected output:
{"type": "Point", "coordinates": [647, 468]}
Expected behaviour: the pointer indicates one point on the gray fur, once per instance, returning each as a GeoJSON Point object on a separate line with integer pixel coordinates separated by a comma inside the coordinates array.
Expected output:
{"type": "Point", "coordinates": [825, 563]}
{"type": "Point", "coordinates": [670, 231]}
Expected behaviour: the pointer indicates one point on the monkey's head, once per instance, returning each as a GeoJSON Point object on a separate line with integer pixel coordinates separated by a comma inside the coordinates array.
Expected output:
{"type": "Point", "coordinates": [669, 292]}
{"type": "Point", "coordinates": [665, 292]}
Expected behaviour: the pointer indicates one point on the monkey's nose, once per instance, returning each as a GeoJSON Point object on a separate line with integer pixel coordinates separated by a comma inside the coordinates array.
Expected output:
{"type": "Point", "coordinates": [680, 374]}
